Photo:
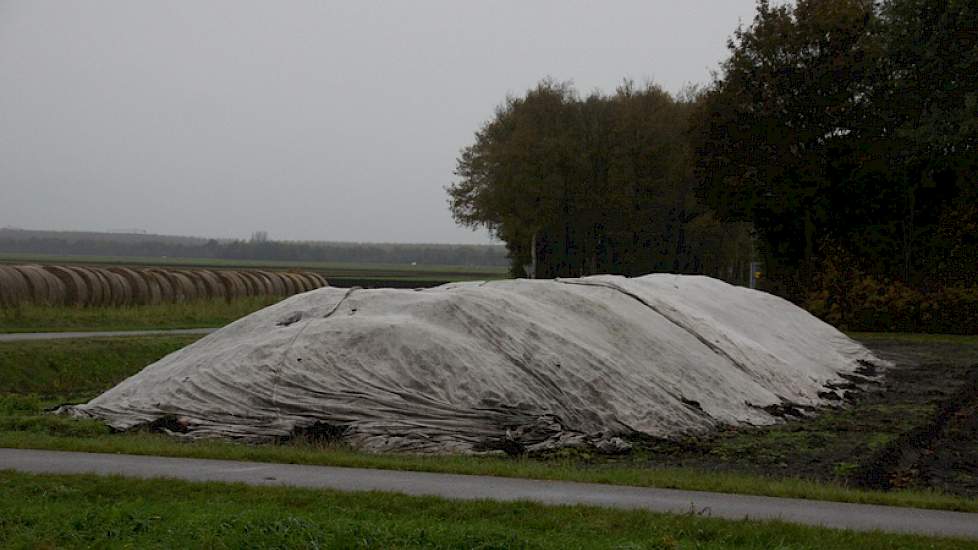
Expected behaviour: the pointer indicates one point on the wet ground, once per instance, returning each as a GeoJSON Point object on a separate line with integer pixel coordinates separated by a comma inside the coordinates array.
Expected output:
{"type": "Point", "coordinates": [918, 429]}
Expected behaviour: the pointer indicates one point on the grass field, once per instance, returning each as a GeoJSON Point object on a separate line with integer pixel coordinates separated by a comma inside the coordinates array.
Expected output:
{"type": "Point", "coordinates": [35, 376]}
{"type": "Point", "coordinates": [87, 511]}
{"type": "Point", "coordinates": [197, 314]}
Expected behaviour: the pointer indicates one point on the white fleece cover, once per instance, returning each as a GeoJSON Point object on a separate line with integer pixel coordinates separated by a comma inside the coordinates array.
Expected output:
{"type": "Point", "coordinates": [469, 367]}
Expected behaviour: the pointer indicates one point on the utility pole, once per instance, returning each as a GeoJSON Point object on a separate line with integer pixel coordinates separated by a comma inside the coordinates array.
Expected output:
{"type": "Point", "coordinates": [755, 266]}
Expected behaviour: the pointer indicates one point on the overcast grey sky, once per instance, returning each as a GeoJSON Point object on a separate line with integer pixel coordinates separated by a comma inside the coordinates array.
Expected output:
{"type": "Point", "coordinates": [309, 119]}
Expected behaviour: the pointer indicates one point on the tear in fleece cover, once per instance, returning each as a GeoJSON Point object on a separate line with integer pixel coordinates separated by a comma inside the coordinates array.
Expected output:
{"type": "Point", "coordinates": [513, 364]}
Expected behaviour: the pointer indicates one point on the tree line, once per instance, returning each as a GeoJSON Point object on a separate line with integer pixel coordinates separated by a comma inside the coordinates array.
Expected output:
{"type": "Point", "coordinates": [837, 142]}
{"type": "Point", "coordinates": [846, 131]}
{"type": "Point", "coordinates": [598, 184]}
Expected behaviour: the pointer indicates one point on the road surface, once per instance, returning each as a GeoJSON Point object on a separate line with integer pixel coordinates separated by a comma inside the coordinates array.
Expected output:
{"type": "Point", "coordinates": [861, 517]}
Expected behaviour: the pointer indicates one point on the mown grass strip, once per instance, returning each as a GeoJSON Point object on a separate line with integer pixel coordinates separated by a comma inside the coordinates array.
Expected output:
{"type": "Point", "coordinates": [86, 511]}
{"type": "Point", "coordinates": [79, 369]}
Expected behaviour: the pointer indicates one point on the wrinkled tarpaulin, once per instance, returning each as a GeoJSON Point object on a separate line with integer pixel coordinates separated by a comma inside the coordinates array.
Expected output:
{"type": "Point", "coordinates": [512, 364]}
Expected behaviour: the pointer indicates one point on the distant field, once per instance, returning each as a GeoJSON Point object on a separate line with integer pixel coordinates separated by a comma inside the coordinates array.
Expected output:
{"type": "Point", "coordinates": [340, 270]}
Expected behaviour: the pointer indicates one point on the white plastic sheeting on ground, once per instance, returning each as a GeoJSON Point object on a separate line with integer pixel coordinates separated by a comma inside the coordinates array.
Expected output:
{"type": "Point", "coordinates": [512, 365]}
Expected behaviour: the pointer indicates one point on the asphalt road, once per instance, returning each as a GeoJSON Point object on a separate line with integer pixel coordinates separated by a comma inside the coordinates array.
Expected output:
{"type": "Point", "coordinates": [23, 336]}
{"type": "Point", "coordinates": [861, 517]}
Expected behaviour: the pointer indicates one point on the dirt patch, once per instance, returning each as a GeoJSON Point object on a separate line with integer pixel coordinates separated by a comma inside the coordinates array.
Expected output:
{"type": "Point", "coordinates": [939, 453]}
{"type": "Point", "coordinates": [917, 429]}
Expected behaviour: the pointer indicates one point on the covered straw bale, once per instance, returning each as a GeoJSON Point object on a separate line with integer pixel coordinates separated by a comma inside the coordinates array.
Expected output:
{"type": "Point", "coordinates": [273, 282]}
{"type": "Point", "coordinates": [307, 282]}
{"type": "Point", "coordinates": [167, 292]}
{"type": "Point", "coordinates": [215, 288]}
{"type": "Point", "coordinates": [183, 289]}
{"type": "Point", "coordinates": [154, 291]}
{"type": "Point", "coordinates": [119, 293]}
{"type": "Point", "coordinates": [319, 279]}
{"type": "Point", "coordinates": [14, 289]}
{"type": "Point", "coordinates": [45, 288]}
{"type": "Point", "coordinates": [93, 284]}
{"type": "Point", "coordinates": [287, 283]}
{"type": "Point", "coordinates": [139, 289]}
{"type": "Point", "coordinates": [234, 287]}
{"type": "Point", "coordinates": [254, 287]}
{"type": "Point", "coordinates": [200, 287]}
{"type": "Point", "coordinates": [299, 284]}
{"type": "Point", "coordinates": [76, 289]}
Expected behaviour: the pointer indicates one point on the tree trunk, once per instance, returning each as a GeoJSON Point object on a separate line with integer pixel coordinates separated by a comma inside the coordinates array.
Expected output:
{"type": "Point", "coordinates": [533, 256]}
{"type": "Point", "coordinates": [908, 234]}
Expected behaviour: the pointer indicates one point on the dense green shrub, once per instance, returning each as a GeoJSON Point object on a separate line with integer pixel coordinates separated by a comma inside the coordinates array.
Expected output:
{"type": "Point", "coordinates": [953, 311]}
{"type": "Point", "coordinates": [848, 298]}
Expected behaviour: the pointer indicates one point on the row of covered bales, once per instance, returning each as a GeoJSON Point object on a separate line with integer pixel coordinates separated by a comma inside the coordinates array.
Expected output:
{"type": "Point", "coordinates": [122, 286]}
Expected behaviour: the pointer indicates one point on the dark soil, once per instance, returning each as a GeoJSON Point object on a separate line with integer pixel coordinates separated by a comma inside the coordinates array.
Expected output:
{"type": "Point", "coordinates": [918, 429]}
{"type": "Point", "coordinates": [941, 453]}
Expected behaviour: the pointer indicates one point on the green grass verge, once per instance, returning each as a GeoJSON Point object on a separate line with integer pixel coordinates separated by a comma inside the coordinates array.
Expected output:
{"type": "Point", "coordinates": [89, 511]}
{"type": "Point", "coordinates": [35, 376]}
{"type": "Point", "coordinates": [77, 368]}
{"type": "Point", "coordinates": [197, 314]}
